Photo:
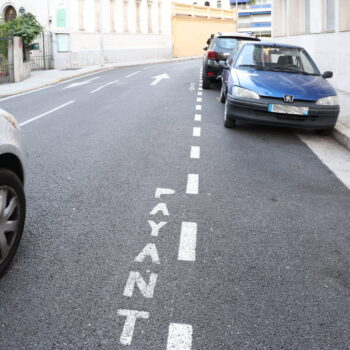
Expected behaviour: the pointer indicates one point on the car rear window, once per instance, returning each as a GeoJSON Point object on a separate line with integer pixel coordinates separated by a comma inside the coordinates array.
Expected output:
{"type": "Point", "coordinates": [225, 44]}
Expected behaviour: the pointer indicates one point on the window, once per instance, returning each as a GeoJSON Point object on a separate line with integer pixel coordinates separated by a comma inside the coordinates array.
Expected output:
{"type": "Point", "coordinates": [10, 13]}
{"type": "Point", "coordinates": [330, 15]}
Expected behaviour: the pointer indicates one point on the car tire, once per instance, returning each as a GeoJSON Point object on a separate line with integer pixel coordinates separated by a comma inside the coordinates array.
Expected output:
{"type": "Point", "coordinates": [12, 216]}
{"type": "Point", "coordinates": [223, 93]}
{"type": "Point", "coordinates": [325, 132]}
{"type": "Point", "coordinates": [205, 82]}
{"type": "Point", "coordinates": [228, 121]}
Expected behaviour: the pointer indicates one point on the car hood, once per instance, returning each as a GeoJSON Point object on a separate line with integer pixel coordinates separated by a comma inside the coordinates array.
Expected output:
{"type": "Point", "coordinates": [278, 84]}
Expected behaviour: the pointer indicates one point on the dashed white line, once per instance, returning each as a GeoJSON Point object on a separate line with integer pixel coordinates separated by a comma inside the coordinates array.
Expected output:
{"type": "Point", "coordinates": [200, 88]}
{"type": "Point", "coordinates": [130, 75]}
{"type": "Point", "coordinates": [46, 113]}
{"type": "Point", "coordinates": [195, 152]}
{"type": "Point", "coordinates": [103, 86]}
{"type": "Point", "coordinates": [199, 99]}
{"type": "Point", "coordinates": [147, 67]}
{"type": "Point", "coordinates": [192, 184]}
{"type": "Point", "coordinates": [196, 132]}
{"type": "Point", "coordinates": [179, 337]}
{"type": "Point", "coordinates": [198, 107]}
{"type": "Point", "coordinates": [188, 242]}
{"type": "Point", "coordinates": [200, 93]}
{"type": "Point", "coordinates": [197, 117]}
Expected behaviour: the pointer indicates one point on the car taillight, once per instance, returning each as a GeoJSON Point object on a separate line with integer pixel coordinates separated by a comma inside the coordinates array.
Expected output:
{"type": "Point", "coordinates": [212, 55]}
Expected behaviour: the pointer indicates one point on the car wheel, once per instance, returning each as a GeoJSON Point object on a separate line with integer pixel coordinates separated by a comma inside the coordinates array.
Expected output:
{"type": "Point", "coordinates": [205, 82]}
{"type": "Point", "coordinates": [228, 122]}
{"type": "Point", "coordinates": [12, 216]}
{"type": "Point", "coordinates": [223, 93]}
{"type": "Point", "coordinates": [325, 132]}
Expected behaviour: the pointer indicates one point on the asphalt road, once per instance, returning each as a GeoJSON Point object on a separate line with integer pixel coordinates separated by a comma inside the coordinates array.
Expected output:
{"type": "Point", "coordinates": [264, 262]}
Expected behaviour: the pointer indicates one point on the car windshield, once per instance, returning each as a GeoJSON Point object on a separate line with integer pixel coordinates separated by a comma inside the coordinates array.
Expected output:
{"type": "Point", "coordinates": [277, 59]}
{"type": "Point", "coordinates": [226, 44]}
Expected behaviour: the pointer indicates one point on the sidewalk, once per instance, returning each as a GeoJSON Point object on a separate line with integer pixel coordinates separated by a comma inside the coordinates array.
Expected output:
{"type": "Point", "coordinates": [40, 79]}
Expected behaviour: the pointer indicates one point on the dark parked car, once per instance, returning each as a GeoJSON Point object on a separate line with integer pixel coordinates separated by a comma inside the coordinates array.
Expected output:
{"type": "Point", "coordinates": [277, 84]}
{"type": "Point", "coordinates": [220, 47]}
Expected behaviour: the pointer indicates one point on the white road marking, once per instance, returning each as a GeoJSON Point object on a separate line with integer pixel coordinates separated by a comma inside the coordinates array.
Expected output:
{"type": "Point", "coordinates": [160, 207]}
{"type": "Point", "coordinates": [192, 87]}
{"type": "Point", "coordinates": [129, 325]}
{"type": "Point", "coordinates": [332, 154]}
{"type": "Point", "coordinates": [105, 85]}
{"type": "Point", "coordinates": [192, 184]}
{"type": "Point", "coordinates": [80, 83]}
{"type": "Point", "coordinates": [159, 78]}
{"type": "Point", "coordinates": [198, 107]}
{"type": "Point", "coordinates": [179, 337]}
{"type": "Point", "coordinates": [200, 88]}
{"type": "Point", "coordinates": [160, 191]}
{"type": "Point", "coordinates": [188, 242]}
{"type": "Point", "coordinates": [200, 93]}
{"type": "Point", "coordinates": [196, 132]}
{"type": "Point", "coordinates": [151, 251]}
{"type": "Point", "coordinates": [195, 152]}
{"type": "Point", "coordinates": [197, 117]}
{"type": "Point", "coordinates": [146, 289]}
{"type": "Point", "coordinates": [148, 67]}
{"type": "Point", "coordinates": [156, 227]}
{"type": "Point", "coordinates": [132, 74]}
{"type": "Point", "coordinates": [46, 113]}
{"type": "Point", "coordinates": [199, 99]}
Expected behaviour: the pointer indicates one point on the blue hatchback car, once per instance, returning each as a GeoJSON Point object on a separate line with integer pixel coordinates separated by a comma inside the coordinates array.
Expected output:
{"type": "Point", "coordinates": [277, 84]}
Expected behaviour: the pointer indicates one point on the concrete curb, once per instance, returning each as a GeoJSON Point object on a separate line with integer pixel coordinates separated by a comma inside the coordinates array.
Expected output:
{"type": "Point", "coordinates": [341, 133]}
{"type": "Point", "coordinates": [101, 69]}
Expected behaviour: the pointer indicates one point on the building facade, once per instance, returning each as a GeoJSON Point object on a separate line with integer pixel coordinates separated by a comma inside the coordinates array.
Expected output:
{"type": "Point", "coordinates": [255, 19]}
{"type": "Point", "coordinates": [93, 32]}
{"type": "Point", "coordinates": [322, 27]}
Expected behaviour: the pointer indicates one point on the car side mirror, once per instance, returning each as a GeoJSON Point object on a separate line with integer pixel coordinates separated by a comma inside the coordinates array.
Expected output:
{"type": "Point", "coordinates": [205, 48]}
{"type": "Point", "coordinates": [224, 65]}
{"type": "Point", "coordinates": [327, 75]}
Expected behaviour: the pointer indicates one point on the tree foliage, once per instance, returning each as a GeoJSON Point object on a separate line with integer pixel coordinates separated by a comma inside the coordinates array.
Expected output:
{"type": "Point", "coordinates": [25, 26]}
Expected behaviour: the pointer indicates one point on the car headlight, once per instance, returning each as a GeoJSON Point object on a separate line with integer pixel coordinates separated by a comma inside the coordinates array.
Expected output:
{"type": "Point", "coordinates": [328, 101]}
{"type": "Point", "coordinates": [241, 92]}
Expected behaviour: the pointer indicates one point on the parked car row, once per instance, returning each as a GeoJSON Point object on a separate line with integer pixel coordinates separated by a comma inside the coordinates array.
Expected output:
{"type": "Point", "coordinates": [270, 83]}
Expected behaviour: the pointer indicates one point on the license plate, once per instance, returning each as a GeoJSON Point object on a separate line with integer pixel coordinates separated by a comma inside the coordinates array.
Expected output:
{"type": "Point", "coordinates": [284, 109]}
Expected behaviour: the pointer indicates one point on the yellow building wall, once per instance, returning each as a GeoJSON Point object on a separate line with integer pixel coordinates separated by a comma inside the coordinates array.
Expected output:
{"type": "Point", "coordinates": [192, 26]}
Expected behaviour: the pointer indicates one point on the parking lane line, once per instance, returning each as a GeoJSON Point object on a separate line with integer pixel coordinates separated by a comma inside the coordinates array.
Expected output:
{"type": "Point", "coordinates": [195, 152]}
{"type": "Point", "coordinates": [179, 337]}
{"type": "Point", "coordinates": [200, 93]}
{"type": "Point", "coordinates": [192, 184]}
{"type": "Point", "coordinates": [132, 74]}
{"type": "Point", "coordinates": [46, 113]}
{"type": "Point", "coordinates": [196, 131]}
{"type": "Point", "coordinates": [198, 107]}
{"type": "Point", "coordinates": [197, 117]}
{"type": "Point", "coordinates": [188, 242]}
{"type": "Point", "coordinates": [199, 99]}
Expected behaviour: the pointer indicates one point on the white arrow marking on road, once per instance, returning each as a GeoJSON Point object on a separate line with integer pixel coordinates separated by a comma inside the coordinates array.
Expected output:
{"type": "Point", "coordinates": [103, 86]}
{"type": "Point", "coordinates": [158, 78]}
{"type": "Point", "coordinates": [80, 83]}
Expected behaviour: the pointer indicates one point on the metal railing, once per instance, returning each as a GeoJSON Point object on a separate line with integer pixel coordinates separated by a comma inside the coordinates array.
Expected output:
{"type": "Point", "coordinates": [41, 55]}
{"type": "Point", "coordinates": [6, 64]}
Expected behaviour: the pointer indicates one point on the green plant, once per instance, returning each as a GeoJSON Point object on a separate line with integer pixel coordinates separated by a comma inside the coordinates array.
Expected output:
{"type": "Point", "coordinates": [25, 26]}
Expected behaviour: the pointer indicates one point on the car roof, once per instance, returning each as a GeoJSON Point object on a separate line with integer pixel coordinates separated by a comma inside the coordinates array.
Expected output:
{"type": "Point", "coordinates": [271, 44]}
{"type": "Point", "coordinates": [235, 35]}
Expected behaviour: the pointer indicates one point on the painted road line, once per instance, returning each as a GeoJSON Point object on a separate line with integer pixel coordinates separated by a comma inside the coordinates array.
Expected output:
{"type": "Point", "coordinates": [179, 337]}
{"type": "Point", "coordinates": [188, 242]}
{"type": "Point", "coordinates": [200, 93]}
{"type": "Point", "coordinates": [332, 154]}
{"type": "Point", "coordinates": [192, 184]}
{"type": "Point", "coordinates": [199, 99]}
{"type": "Point", "coordinates": [200, 88]}
{"type": "Point", "coordinates": [46, 113]}
{"type": "Point", "coordinates": [196, 132]}
{"type": "Point", "coordinates": [80, 83]}
{"type": "Point", "coordinates": [130, 75]}
{"type": "Point", "coordinates": [197, 117]}
{"type": "Point", "coordinates": [147, 67]}
{"type": "Point", "coordinates": [198, 107]}
{"type": "Point", "coordinates": [103, 86]}
{"type": "Point", "coordinates": [195, 152]}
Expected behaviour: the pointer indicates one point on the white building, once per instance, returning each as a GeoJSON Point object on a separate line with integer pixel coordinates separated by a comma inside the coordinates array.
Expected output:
{"type": "Point", "coordinates": [322, 27]}
{"type": "Point", "coordinates": [256, 18]}
{"type": "Point", "coordinates": [90, 32]}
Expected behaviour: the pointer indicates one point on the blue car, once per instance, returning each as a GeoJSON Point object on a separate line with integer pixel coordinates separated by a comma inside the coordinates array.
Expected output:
{"type": "Point", "coordinates": [277, 84]}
